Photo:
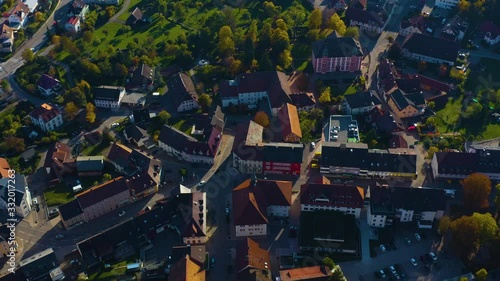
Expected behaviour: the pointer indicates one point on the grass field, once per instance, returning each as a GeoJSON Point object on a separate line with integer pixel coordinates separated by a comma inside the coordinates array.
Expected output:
{"type": "Point", "coordinates": [489, 76]}
{"type": "Point", "coordinates": [58, 195]}
{"type": "Point", "coordinates": [116, 269]}
{"type": "Point", "coordinates": [447, 117]}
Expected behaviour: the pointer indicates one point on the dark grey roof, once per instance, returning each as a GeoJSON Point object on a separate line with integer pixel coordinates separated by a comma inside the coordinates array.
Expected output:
{"type": "Point", "coordinates": [362, 99]}
{"type": "Point", "coordinates": [181, 88]}
{"type": "Point", "coordinates": [111, 93]}
{"type": "Point", "coordinates": [334, 47]}
{"type": "Point", "coordinates": [184, 143]}
{"type": "Point", "coordinates": [357, 155]}
{"type": "Point", "coordinates": [432, 47]}
{"type": "Point", "coordinates": [461, 163]}
{"type": "Point", "coordinates": [416, 98]}
{"type": "Point", "coordinates": [141, 115]}
{"type": "Point", "coordinates": [364, 16]}
{"type": "Point", "coordinates": [28, 154]}
{"type": "Point", "coordinates": [19, 184]}
{"type": "Point", "coordinates": [70, 210]}
{"type": "Point", "coordinates": [408, 85]}
{"type": "Point", "coordinates": [399, 99]}
{"type": "Point", "coordinates": [418, 199]}
{"type": "Point", "coordinates": [280, 153]}
{"type": "Point", "coordinates": [489, 161]}
{"type": "Point", "coordinates": [89, 163]}
{"type": "Point", "coordinates": [135, 133]}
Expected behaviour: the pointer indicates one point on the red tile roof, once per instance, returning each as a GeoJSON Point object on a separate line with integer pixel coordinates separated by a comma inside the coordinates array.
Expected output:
{"type": "Point", "coordinates": [289, 120]}
{"type": "Point", "coordinates": [4, 168]}
{"type": "Point", "coordinates": [349, 196]}
{"type": "Point", "coordinates": [74, 20]}
{"type": "Point", "coordinates": [433, 84]}
{"type": "Point", "coordinates": [21, 10]}
{"type": "Point", "coordinates": [316, 273]}
{"type": "Point", "coordinates": [47, 82]}
{"type": "Point", "coordinates": [102, 192]}
{"type": "Point", "coordinates": [46, 112]}
{"type": "Point", "coordinates": [186, 269]}
{"type": "Point", "coordinates": [397, 141]}
{"type": "Point", "coordinates": [249, 255]}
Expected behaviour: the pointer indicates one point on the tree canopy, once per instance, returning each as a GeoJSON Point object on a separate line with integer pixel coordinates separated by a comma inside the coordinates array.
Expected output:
{"type": "Point", "coordinates": [477, 189]}
{"type": "Point", "coordinates": [261, 118]}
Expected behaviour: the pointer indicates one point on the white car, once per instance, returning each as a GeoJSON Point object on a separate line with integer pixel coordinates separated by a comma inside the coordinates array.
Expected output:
{"type": "Point", "coordinates": [413, 262]}
{"type": "Point", "coordinates": [202, 183]}
{"type": "Point", "coordinates": [121, 214]}
{"type": "Point", "coordinates": [383, 249]}
{"type": "Point", "coordinates": [202, 62]}
{"type": "Point", "coordinates": [313, 145]}
{"type": "Point", "coordinates": [115, 124]}
{"type": "Point", "coordinates": [393, 270]}
{"type": "Point", "coordinates": [417, 236]}
{"type": "Point", "coordinates": [433, 256]}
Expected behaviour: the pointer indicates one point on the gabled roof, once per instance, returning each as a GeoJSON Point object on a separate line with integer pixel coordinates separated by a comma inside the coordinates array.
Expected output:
{"type": "Point", "coordinates": [416, 99]}
{"type": "Point", "coordinates": [184, 143]}
{"type": "Point", "coordinates": [457, 163]}
{"type": "Point", "coordinates": [137, 14]}
{"type": "Point", "coordinates": [4, 168]}
{"type": "Point", "coordinates": [387, 70]}
{"type": "Point", "coordinates": [144, 71]}
{"type": "Point", "coordinates": [418, 199]}
{"type": "Point", "coordinates": [367, 17]}
{"type": "Point", "coordinates": [332, 195]}
{"type": "Point", "coordinates": [251, 199]}
{"type": "Point", "coordinates": [416, 21]}
{"type": "Point", "coordinates": [303, 100]}
{"type": "Point", "coordinates": [362, 99]}
{"type": "Point", "coordinates": [289, 120]}
{"type": "Point", "coordinates": [70, 210]}
{"type": "Point", "coordinates": [432, 84]}
{"type": "Point", "coordinates": [141, 115]}
{"type": "Point", "coordinates": [312, 273]}
{"type": "Point", "coordinates": [6, 33]}
{"type": "Point", "coordinates": [408, 85]}
{"type": "Point", "coordinates": [119, 153]}
{"type": "Point", "coordinates": [399, 99]}
{"type": "Point", "coordinates": [432, 47]}
{"type": "Point", "coordinates": [140, 183]}
{"type": "Point", "coordinates": [336, 47]}
{"type": "Point", "coordinates": [249, 255]}
{"type": "Point", "coordinates": [398, 141]}
{"type": "Point", "coordinates": [359, 4]}
{"type": "Point", "coordinates": [58, 155]}
{"type": "Point", "coordinates": [73, 20]}
{"type": "Point", "coordinates": [47, 82]}
{"type": "Point", "coordinates": [102, 192]}
{"type": "Point", "coordinates": [111, 93]}
{"type": "Point", "coordinates": [46, 112]}
{"type": "Point", "coordinates": [193, 214]}
{"type": "Point", "coordinates": [78, 4]}
{"type": "Point", "coordinates": [186, 269]}
{"type": "Point", "coordinates": [21, 10]}
{"type": "Point", "coordinates": [181, 88]}
{"type": "Point", "coordinates": [135, 133]}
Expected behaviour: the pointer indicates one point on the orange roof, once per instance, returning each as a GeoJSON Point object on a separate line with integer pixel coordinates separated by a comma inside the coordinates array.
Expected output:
{"type": "Point", "coordinates": [4, 168]}
{"type": "Point", "coordinates": [305, 273]}
{"type": "Point", "coordinates": [73, 20]}
{"type": "Point", "coordinates": [186, 269]}
{"type": "Point", "coordinates": [289, 120]}
{"type": "Point", "coordinates": [250, 255]}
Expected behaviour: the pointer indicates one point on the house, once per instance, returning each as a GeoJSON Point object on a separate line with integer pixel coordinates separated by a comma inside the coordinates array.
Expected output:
{"type": "Point", "coordinates": [359, 4]}
{"type": "Point", "coordinates": [310, 273]}
{"type": "Point", "coordinates": [141, 116]}
{"type": "Point", "coordinates": [398, 141]}
{"type": "Point", "coordinates": [73, 25]}
{"type": "Point", "coordinates": [459, 165]}
{"type": "Point", "coordinates": [59, 161]}
{"type": "Point", "coordinates": [252, 155]}
{"type": "Point", "coordinates": [368, 21]}
{"type": "Point", "coordinates": [79, 9]}
{"type": "Point", "coordinates": [430, 49]}
{"type": "Point", "coordinates": [29, 154]}
{"type": "Point", "coordinates": [415, 24]}
{"type": "Point", "coordinates": [490, 33]}
{"type": "Point", "coordinates": [289, 125]}
{"type": "Point", "coordinates": [131, 162]}
{"type": "Point", "coordinates": [22, 195]}
{"type": "Point", "coordinates": [337, 5]}
{"type": "Point", "coordinates": [386, 77]}
{"type": "Point", "coordinates": [446, 4]}
{"type": "Point", "coordinates": [141, 185]}
{"type": "Point", "coordinates": [360, 103]}
{"type": "Point", "coordinates": [46, 117]}
{"type": "Point", "coordinates": [89, 165]}
{"type": "Point", "coordinates": [408, 85]}
{"type": "Point", "coordinates": [252, 262]}
{"type": "Point", "coordinates": [144, 76]}
{"type": "Point", "coordinates": [118, 157]}
{"type": "Point", "coordinates": [93, 138]}
{"type": "Point", "coordinates": [138, 137]}
{"type": "Point", "coordinates": [40, 266]}
{"type": "Point", "coordinates": [71, 214]}
{"type": "Point", "coordinates": [104, 198]}
{"type": "Point", "coordinates": [48, 85]}
{"type": "Point", "coordinates": [405, 204]}
{"type": "Point", "coordinates": [197, 253]}
{"type": "Point", "coordinates": [304, 101]}
{"type": "Point", "coordinates": [384, 122]}
{"type": "Point", "coordinates": [329, 231]}
{"type": "Point", "coordinates": [7, 246]}
{"type": "Point", "coordinates": [187, 269]}
{"type": "Point", "coordinates": [136, 16]}
{"type": "Point", "coordinates": [356, 160]}
{"type": "Point", "coordinates": [406, 105]}
{"type": "Point", "coordinates": [347, 199]}
{"type": "Point", "coordinates": [134, 100]}
{"type": "Point", "coordinates": [108, 96]}
{"type": "Point", "coordinates": [193, 210]}
{"type": "Point", "coordinates": [256, 201]}
{"type": "Point", "coordinates": [6, 38]}
{"type": "Point", "coordinates": [270, 87]}
{"type": "Point", "coordinates": [182, 92]}
{"type": "Point", "coordinates": [429, 84]}
{"type": "Point", "coordinates": [186, 147]}
{"type": "Point", "coordinates": [32, 5]}
{"type": "Point", "coordinates": [19, 15]}
{"type": "Point", "coordinates": [455, 29]}
{"type": "Point", "coordinates": [334, 54]}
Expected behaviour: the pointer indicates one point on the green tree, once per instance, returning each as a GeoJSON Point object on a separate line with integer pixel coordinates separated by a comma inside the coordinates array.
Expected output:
{"type": "Point", "coordinates": [90, 116]}
{"type": "Point", "coordinates": [431, 151]}
{"type": "Point", "coordinates": [164, 116]}
{"type": "Point", "coordinates": [496, 201]}
{"type": "Point", "coordinates": [205, 101]}
{"type": "Point", "coordinates": [443, 143]}
{"type": "Point", "coordinates": [295, 16]}
{"type": "Point", "coordinates": [28, 55]}
{"type": "Point", "coordinates": [88, 36]}
{"type": "Point", "coordinates": [39, 17]}
{"type": "Point", "coordinates": [182, 172]}
{"type": "Point", "coordinates": [280, 41]}
{"type": "Point", "coordinates": [265, 36]}
{"type": "Point", "coordinates": [337, 24]}
{"type": "Point", "coordinates": [110, 11]}
{"type": "Point", "coordinates": [226, 46]}
{"type": "Point", "coordinates": [352, 32]}
{"type": "Point", "coordinates": [71, 110]}
{"type": "Point", "coordinates": [477, 189]}
{"type": "Point", "coordinates": [328, 262]}
{"type": "Point", "coordinates": [281, 24]}
{"type": "Point", "coordinates": [487, 226]}
{"type": "Point", "coordinates": [252, 32]}
{"type": "Point", "coordinates": [76, 96]}
{"type": "Point", "coordinates": [265, 62]}
{"type": "Point", "coordinates": [324, 98]}
{"type": "Point", "coordinates": [313, 35]}
{"type": "Point", "coordinates": [444, 225]}
{"type": "Point", "coordinates": [464, 235]}
{"type": "Point", "coordinates": [285, 59]}
{"type": "Point", "coordinates": [315, 19]}
{"type": "Point", "coordinates": [271, 10]}
{"type": "Point", "coordinates": [106, 177]}
{"type": "Point", "coordinates": [473, 110]}
{"type": "Point", "coordinates": [463, 278]}
{"type": "Point", "coordinates": [481, 274]}
{"type": "Point", "coordinates": [261, 118]}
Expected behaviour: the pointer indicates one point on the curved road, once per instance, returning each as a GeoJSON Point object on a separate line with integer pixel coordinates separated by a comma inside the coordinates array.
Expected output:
{"type": "Point", "coordinates": [123, 9]}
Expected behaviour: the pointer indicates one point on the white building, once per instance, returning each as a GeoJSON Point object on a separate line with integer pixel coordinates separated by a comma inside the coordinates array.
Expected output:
{"type": "Point", "coordinates": [46, 117]}
{"type": "Point", "coordinates": [19, 15]}
{"type": "Point", "coordinates": [108, 97]}
{"type": "Point", "coordinates": [430, 49]}
{"type": "Point", "coordinates": [21, 192]}
{"type": "Point", "coordinates": [182, 92]}
{"type": "Point", "coordinates": [446, 4]}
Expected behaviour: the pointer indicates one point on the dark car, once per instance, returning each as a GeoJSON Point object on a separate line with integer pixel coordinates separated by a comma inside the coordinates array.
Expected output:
{"type": "Point", "coordinates": [212, 262]}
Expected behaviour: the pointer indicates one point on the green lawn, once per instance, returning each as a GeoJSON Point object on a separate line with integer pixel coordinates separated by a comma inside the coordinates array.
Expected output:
{"type": "Point", "coordinates": [488, 78]}
{"type": "Point", "coordinates": [447, 117]}
{"type": "Point", "coordinates": [183, 126]}
{"type": "Point", "coordinates": [115, 270]}
{"type": "Point", "coordinates": [129, 10]}
{"type": "Point", "coordinates": [351, 90]}
{"type": "Point", "coordinates": [491, 131]}
{"type": "Point", "coordinates": [58, 195]}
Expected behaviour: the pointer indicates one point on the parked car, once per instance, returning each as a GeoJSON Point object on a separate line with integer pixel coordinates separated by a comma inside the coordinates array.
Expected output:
{"type": "Point", "coordinates": [59, 236]}
{"type": "Point", "coordinates": [383, 249]}
{"type": "Point", "coordinates": [408, 241]}
{"type": "Point", "coordinates": [393, 270]}
{"type": "Point", "coordinates": [212, 262]}
{"type": "Point", "coordinates": [417, 236]}
{"type": "Point", "coordinates": [433, 256]}
{"type": "Point", "coordinates": [313, 145]}
{"type": "Point", "coordinates": [413, 262]}
{"type": "Point", "coordinates": [201, 183]}
{"type": "Point", "coordinates": [382, 273]}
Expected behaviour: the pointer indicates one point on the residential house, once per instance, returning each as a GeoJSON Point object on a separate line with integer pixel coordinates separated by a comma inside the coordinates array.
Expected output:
{"type": "Point", "coordinates": [71, 214]}
{"type": "Point", "coordinates": [46, 117]}
{"type": "Point", "coordinates": [405, 204]}
{"type": "Point", "coordinates": [197, 253]}
{"type": "Point", "coordinates": [459, 165]}
{"type": "Point", "coordinates": [22, 195]}
{"type": "Point", "coordinates": [182, 92]}
{"type": "Point", "coordinates": [304, 101]}
{"type": "Point", "coordinates": [32, 5]}
{"type": "Point", "coordinates": [185, 147]}
{"type": "Point", "coordinates": [398, 141]}
{"type": "Point", "coordinates": [256, 201]}
{"type": "Point", "coordinates": [108, 96]}
{"type": "Point", "coordinates": [334, 54]}
{"type": "Point", "coordinates": [310, 273]}
{"type": "Point", "coordinates": [337, 5]}
{"type": "Point", "coordinates": [408, 85]}
{"type": "Point", "coordinates": [144, 76]}
{"type": "Point", "coordinates": [429, 84]}
{"type": "Point", "coordinates": [252, 262]}
{"type": "Point", "coordinates": [360, 103]}
{"type": "Point", "coordinates": [368, 21]}
{"type": "Point", "coordinates": [348, 199]}
{"type": "Point", "coordinates": [329, 231]}
{"type": "Point", "coordinates": [104, 198]}
{"type": "Point", "coordinates": [6, 38]}
{"type": "Point", "coordinates": [142, 185]}
{"type": "Point", "coordinates": [289, 125]}
{"type": "Point", "coordinates": [490, 33]}
{"type": "Point", "coordinates": [73, 25]}
{"type": "Point", "coordinates": [89, 165]}
{"type": "Point", "coordinates": [187, 269]}
{"type": "Point", "coordinates": [359, 4]}
{"type": "Point", "coordinates": [415, 24]}
{"type": "Point", "coordinates": [193, 209]}
{"type": "Point", "coordinates": [141, 116]}
{"type": "Point", "coordinates": [384, 122]}
{"type": "Point", "coordinates": [455, 29]}
{"type": "Point", "coordinates": [136, 16]}
{"type": "Point", "coordinates": [270, 87]}
{"type": "Point", "coordinates": [41, 266]}
{"type": "Point", "coordinates": [446, 4]}
{"type": "Point", "coordinates": [386, 77]}
{"type": "Point", "coordinates": [356, 160]}
{"type": "Point", "coordinates": [252, 155]}
{"type": "Point", "coordinates": [6, 244]}
{"type": "Point", "coordinates": [138, 137]}
{"type": "Point", "coordinates": [430, 49]}
{"type": "Point", "coordinates": [59, 161]}
{"type": "Point", "coordinates": [29, 154]}
{"type": "Point", "coordinates": [19, 15]}
{"type": "Point", "coordinates": [134, 100]}
{"type": "Point", "coordinates": [48, 85]}
{"type": "Point", "coordinates": [79, 9]}
{"type": "Point", "coordinates": [406, 105]}
{"type": "Point", "coordinates": [118, 157]}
